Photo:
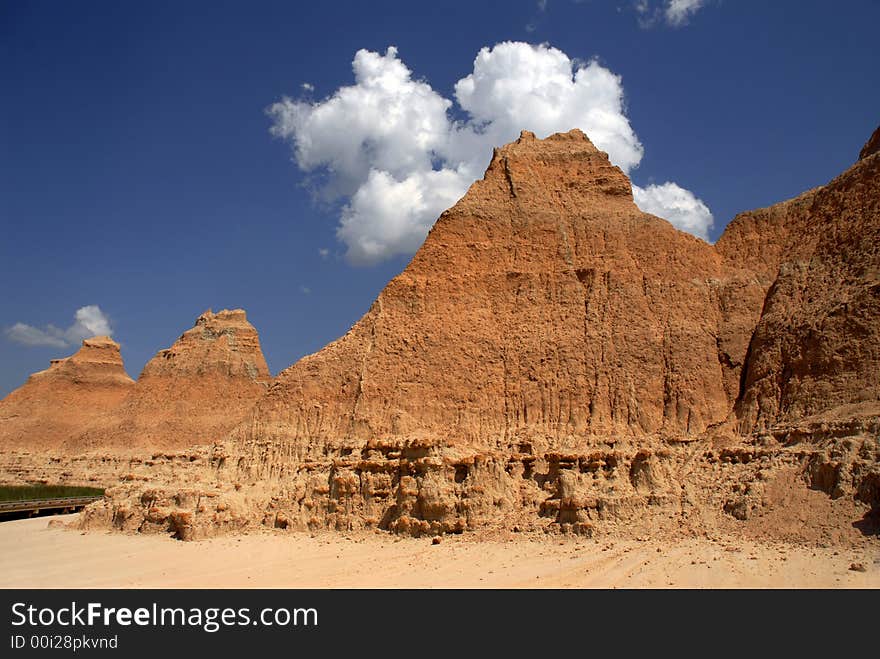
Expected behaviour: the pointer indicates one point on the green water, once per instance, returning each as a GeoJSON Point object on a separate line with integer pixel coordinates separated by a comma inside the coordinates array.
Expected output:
{"type": "Point", "coordinates": [27, 492]}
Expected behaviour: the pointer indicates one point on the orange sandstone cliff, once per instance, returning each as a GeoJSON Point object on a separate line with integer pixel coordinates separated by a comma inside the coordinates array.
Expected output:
{"type": "Point", "coordinates": [195, 391]}
{"type": "Point", "coordinates": [553, 358]}
{"type": "Point", "coordinates": [72, 394]}
{"type": "Point", "coordinates": [816, 349]}
{"type": "Point", "coordinates": [544, 307]}
{"type": "Point", "coordinates": [192, 393]}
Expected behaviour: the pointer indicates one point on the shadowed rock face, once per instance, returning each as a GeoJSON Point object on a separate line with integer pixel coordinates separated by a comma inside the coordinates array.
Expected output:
{"type": "Point", "coordinates": [72, 394]}
{"type": "Point", "coordinates": [872, 146]}
{"type": "Point", "coordinates": [816, 348]}
{"type": "Point", "coordinates": [753, 247]}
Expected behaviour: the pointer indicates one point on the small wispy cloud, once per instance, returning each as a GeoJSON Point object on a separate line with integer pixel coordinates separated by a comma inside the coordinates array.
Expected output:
{"type": "Point", "coordinates": [532, 25]}
{"type": "Point", "coordinates": [324, 253]}
{"type": "Point", "coordinates": [678, 12]}
{"type": "Point", "coordinates": [307, 87]}
{"type": "Point", "coordinates": [305, 290]}
{"type": "Point", "coordinates": [674, 13]}
{"type": "Point", "coordinates": [27, 335]}
{"type": "Point", "coordinates": [88, 321]}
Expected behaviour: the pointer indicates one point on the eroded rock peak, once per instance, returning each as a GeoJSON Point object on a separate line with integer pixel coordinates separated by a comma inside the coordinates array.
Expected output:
{"type": "Point", "coordinates": [98, 360]}
{"type": "Point", "coordinates": [224, 343]}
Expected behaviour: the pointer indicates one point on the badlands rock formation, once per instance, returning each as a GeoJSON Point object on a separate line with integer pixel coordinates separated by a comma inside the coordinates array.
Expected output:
{"type": "Point", "coordinates": [195, 391]}
{"type": "Point", "coordinates": [816, 348]}
{"type": "Point", "coordinates": [544, 306]}
{"type": "Point", "coordinates": [553, 358]}
{"type": "Point", "coordinates": [192, 393]}
{"type": "Point", "coordinates": [73, 393]}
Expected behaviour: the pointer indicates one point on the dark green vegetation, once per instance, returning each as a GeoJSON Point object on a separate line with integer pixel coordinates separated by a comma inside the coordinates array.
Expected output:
{"type": "Point", "coordinates": [31, 492]}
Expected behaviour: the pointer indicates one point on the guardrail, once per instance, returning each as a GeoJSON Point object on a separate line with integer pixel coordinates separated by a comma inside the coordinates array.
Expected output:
{"type": "Point", "coordinates": [36, 505]}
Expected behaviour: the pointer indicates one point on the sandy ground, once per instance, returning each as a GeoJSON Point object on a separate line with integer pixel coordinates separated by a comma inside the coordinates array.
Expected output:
{"type": "Point", "coordinates": [34, 555]}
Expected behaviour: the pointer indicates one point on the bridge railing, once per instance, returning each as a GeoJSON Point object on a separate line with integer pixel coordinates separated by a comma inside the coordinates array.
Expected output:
{"type": "Point", "coordinates": [46, 504]}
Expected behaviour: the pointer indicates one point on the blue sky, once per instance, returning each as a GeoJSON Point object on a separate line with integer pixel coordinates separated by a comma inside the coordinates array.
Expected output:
{"type": "Point", "coordinates": [138, 172]}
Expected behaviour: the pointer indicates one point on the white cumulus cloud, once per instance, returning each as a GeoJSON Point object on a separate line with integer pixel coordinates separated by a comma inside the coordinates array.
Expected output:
{"type": "Point", "coordinates": [516, 86]}
{"type": "Point", "coordinates": [681, 207]}
{"type": "Point", "coordinates": [388, 216]}
{"type": "Point", "coordinates": [88, 321]}
{"type": "Point", "coordinates": [389, 150]}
